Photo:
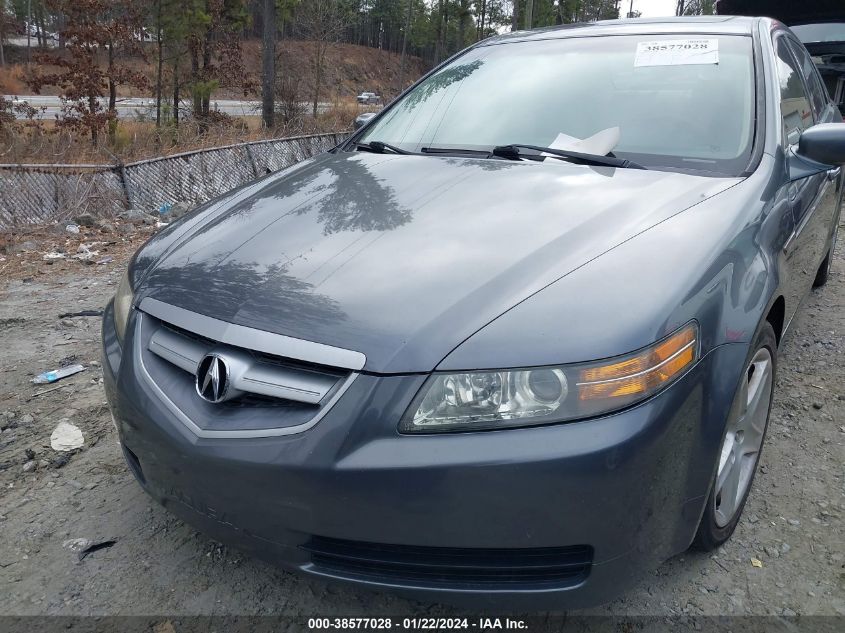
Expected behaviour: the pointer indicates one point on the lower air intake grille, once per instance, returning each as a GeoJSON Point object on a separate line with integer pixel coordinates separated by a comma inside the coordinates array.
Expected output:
{"type": "Point", "coordinates": [464, 568]}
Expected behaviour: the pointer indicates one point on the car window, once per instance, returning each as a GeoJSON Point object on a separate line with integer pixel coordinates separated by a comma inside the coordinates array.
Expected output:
{"type": "Point", "coordinates": [795, 106]}
{"type": "Point", "coordinates": [818, 93]}
{"type": "Point", "coordinates": [672, 111]}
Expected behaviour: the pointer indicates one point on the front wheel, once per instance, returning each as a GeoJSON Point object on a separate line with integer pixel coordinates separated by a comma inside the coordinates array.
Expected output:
{"type": "Point", "coordinates": [741, 444]}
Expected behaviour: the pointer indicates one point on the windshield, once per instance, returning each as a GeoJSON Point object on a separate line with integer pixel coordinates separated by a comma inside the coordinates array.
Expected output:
{"type": "Point", "coordinates": [814, 33]}
{"type": "Point", "coordinates": [678, 102]}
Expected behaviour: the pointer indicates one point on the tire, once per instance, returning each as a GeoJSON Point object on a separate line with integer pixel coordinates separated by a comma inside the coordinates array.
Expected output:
{"type": "Point", "coordinates": [823, 273]}
{"type": "Point", "coordinates": [748, 418]}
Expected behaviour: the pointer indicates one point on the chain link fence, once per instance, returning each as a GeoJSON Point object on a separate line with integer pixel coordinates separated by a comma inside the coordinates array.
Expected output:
{"type": "Point", "coordinates": [35, 194]}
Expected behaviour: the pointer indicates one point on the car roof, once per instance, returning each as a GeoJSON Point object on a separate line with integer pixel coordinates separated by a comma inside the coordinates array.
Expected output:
{"type": "Point", "coordinates": [709, 24]}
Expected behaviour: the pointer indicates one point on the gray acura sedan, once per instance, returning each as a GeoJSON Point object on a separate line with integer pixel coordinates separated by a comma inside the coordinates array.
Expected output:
{"type": "Point", "coordinates": [514, 342]}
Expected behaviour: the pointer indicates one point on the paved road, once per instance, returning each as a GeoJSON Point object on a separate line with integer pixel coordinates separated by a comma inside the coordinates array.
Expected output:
{"type": "Point", "coordinates": [131, 107]}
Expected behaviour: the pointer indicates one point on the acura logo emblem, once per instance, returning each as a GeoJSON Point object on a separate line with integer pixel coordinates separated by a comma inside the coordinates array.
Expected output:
{"type": "Point", "coordinates": [212, 378]}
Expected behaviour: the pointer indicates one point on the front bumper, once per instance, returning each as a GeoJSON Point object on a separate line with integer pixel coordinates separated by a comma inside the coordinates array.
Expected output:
{"type": "Point", "coordinates": [628, 489]}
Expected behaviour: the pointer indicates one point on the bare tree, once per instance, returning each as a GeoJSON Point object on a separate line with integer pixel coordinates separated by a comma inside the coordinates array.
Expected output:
{"type": "Point", "coordinates": [268, 63]}
{"type": "Point", "coordinates": [695, 7]}
{"type": "Point", "coordinates": [405, 45]}
{"type": "Point", "coordinates": [323, 22]}
{"type": "Point", "coordinates": [93, 26]}
{"type": "Point", "coordinates": [6, 21]}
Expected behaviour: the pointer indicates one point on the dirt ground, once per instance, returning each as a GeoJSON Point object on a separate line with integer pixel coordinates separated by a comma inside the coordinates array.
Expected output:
{"type": "Point", "coordinates": [787, 556]}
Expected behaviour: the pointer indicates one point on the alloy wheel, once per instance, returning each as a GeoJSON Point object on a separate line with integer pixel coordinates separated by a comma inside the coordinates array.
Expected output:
{"type": "Point", "coordinates": [744, 437]}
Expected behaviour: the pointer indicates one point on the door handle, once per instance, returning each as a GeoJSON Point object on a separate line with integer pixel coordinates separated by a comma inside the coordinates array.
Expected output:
{"type": "Point", "coordinates": [833, 174]}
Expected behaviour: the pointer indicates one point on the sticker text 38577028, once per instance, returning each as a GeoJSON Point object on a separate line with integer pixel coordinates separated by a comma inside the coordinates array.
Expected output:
{"type": "Point", "coordinates": [677, 52]}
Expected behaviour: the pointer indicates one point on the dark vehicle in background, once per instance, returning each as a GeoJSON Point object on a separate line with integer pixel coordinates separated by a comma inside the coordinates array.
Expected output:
{"type": "Point", "coordinates": [819, 24]}
{"type": "Point", "coordinates": [507, 352]}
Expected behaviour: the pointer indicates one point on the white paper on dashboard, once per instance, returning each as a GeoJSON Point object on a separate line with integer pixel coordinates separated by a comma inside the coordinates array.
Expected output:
{"type": "Point", "coordinates": [600, 143]}
{"type": "Point", "coordinates": [677, 52]}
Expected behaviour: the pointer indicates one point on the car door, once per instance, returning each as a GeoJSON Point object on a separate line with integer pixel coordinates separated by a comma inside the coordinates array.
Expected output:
{"type": "Point", "coordinates": [826, 111]}
{"type": "Point", "coordinates": [813, 198]}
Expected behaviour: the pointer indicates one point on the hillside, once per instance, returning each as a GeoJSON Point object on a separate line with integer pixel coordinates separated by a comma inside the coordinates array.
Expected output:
{"type": "Point", "coordinates": [349, 69]}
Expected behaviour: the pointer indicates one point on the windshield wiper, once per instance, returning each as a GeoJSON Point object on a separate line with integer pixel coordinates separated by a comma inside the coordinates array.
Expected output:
{"type": "Point", "coordinates": [456, 150]}
{"type": "Point", "coordinates": [378, 147]}
{"type": "Point", "coordinates": [512, 152]}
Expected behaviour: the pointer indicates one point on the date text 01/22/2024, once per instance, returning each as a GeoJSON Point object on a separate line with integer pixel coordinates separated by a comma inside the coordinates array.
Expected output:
{"type": "Point", "coordinates": [419, 624]}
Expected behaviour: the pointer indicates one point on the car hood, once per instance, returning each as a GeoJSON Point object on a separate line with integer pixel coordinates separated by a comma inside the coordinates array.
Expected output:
{"type": "Point", "coordinates": [404, 257]}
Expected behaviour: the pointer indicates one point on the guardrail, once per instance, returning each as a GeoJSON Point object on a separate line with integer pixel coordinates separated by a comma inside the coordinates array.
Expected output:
{"type": "Point", "coordinates": [36, 194]}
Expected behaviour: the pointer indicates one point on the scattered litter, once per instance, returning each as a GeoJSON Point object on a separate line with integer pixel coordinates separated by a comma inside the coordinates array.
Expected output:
{"type": "Point", "coordinates": [82, 313]}
{"type": "Point", "coordinates": [76, 544]}
{"type": "Point", "coordinates": [84, 252]}
{"type": "Point", "coordinates": [67, 361]}
{"type": "Point", "coordinates": [72, 228]}
{"type": "Point", "coordinates": [160, 224]}
{"type": "Point", "coordinates": [756, 562]}
{"type": "Point", "coordinates": [105, 260]}
{"type": "Point", "coordinates": [53, 255]}
{"type": "Point", "coordinates": [84, 546]}
{"type": "Point", "coordinates": [57, 374]}
{"type": "Point", "coordinates": [93, 547]}
{"type": "Point", "coordinates": [66, 437]}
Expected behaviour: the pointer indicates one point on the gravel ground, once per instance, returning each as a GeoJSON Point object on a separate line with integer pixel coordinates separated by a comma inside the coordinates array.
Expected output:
{"type": "Point", "coordinates": [793, 524]}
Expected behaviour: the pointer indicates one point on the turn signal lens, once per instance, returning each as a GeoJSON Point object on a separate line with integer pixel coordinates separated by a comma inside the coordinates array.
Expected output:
{"type": "Point", "coordinates": [642, 374]}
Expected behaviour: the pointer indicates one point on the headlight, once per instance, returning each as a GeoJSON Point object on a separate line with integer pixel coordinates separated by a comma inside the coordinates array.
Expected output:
{"type": "Point", "coordinates": [122, 306]}
{"type": "Point", "coordinates": [473, 401]}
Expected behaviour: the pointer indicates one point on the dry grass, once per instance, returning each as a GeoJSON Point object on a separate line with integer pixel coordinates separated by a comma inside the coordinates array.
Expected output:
{"type": "Point", "coordinates": [11, 80]}
{"type": "Point", "coordinates": [44, 142]}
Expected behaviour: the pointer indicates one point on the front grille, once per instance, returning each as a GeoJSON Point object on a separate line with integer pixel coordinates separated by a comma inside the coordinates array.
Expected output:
{"type": "Point", "coordinates": [448, 567]}
{"type": "Point", "coordinates": [273, 394]}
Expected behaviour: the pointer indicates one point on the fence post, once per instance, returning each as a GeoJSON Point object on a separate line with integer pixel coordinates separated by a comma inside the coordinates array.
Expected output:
{"type": "Point", "coordinates": [124, 182]}
{"type": "Point", "coordinates": [252, 162]}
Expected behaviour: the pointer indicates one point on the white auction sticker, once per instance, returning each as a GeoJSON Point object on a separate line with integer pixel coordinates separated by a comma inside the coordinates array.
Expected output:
{"type": "Point", "coordinates": [677, 52]}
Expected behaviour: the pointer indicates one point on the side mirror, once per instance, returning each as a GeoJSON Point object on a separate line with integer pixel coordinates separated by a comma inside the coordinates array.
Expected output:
{"type": "Point", "coordinates": [362, 119]}
{"type": "Point", "coordinates": [824, 143]}
{"type": "Point", "coordinates": [820, 148]}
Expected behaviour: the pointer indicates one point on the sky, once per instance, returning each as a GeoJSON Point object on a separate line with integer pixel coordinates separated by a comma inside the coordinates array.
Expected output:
{"type": "Point", "coordinates": [650, 8]}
